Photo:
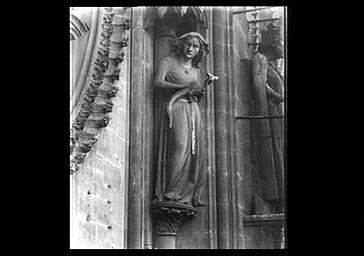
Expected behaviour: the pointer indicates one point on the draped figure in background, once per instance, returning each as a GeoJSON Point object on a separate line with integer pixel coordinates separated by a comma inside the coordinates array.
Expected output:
{"type": "Point", "coordinates": [269, 97]}
{"type": "Point", "coordinates": [181, 170]}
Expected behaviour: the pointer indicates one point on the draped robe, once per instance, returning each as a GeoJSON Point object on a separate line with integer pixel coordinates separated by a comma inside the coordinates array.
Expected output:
{"type": "Point", "coordinates": [181, 172]}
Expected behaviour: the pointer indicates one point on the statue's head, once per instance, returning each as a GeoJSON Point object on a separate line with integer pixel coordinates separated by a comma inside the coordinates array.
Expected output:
{"type": "Point", "coordinates": [191, 45]}
{"type": "Point", "coordinates": [272, 46]}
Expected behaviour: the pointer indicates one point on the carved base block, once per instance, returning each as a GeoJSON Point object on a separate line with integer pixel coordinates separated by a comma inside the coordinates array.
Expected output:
{"type": "Point", "coordinates": [168, 217]}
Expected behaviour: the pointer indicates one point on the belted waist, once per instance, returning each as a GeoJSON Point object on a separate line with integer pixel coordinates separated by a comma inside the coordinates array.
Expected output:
{"type": "Point", "coordinates": [186, 98]}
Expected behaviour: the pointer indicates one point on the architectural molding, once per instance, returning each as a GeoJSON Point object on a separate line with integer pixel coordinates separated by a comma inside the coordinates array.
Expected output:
{"type": "Point", "coordinates": [264, 220]}
{"type": "Point", "coordinates": [175, 15]}
{"type": "Point", "coordinates": [77, 27]}
{"type": "Point", "coordinates": [100, 89]}
{"type": "Point", "coordinates": [228, 227]}
{"type": "Point", "coordinates": [140, 173]}
{"type": "Point", "coordinates": [210, 132]}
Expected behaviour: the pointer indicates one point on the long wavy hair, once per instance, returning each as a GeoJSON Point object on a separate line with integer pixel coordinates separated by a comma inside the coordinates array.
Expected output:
{"type": "Point", "coordinates": [178, 47]}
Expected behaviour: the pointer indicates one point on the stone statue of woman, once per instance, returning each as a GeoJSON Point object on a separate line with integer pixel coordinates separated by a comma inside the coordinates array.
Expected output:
{"type": "Point", "coordinates": [269, 97]}
{"type": "Point", "coordinates": [181, 172]}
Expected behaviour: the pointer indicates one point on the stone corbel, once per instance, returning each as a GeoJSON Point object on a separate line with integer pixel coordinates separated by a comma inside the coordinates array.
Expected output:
{"type": "Point", "coordinates": [168, 217]}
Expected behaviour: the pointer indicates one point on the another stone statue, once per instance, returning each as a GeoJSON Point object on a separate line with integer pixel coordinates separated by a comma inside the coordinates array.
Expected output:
{"type": "Point", "coordinates": [181, 171]}
{"type": "Point", "coordinates": [268, 97]}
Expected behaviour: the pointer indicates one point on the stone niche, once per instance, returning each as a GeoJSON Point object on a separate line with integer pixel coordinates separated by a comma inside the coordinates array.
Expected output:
{"type": "Point", "coordinates": [175, 227]}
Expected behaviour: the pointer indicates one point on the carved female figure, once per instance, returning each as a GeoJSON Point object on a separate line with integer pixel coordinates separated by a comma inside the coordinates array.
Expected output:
{"type": "Point", "coordinates": [181, 171]}
{"type": "Point", "coordinates": [269, 91]}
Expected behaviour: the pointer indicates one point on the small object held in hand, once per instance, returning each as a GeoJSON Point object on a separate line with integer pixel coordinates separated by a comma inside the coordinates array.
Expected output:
{"type": "Point", "coordinates": [212, 77]}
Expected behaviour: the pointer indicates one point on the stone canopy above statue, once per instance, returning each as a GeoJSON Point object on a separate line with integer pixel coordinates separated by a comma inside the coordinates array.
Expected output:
{"type": "Point", "coordinates": [175, 19]}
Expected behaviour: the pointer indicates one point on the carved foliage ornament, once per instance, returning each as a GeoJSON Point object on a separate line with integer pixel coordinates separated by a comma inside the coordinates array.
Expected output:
{"type": "Point", "coordinates": [101, 87]}
{"type": "Point", "coordinates": [169, 217]}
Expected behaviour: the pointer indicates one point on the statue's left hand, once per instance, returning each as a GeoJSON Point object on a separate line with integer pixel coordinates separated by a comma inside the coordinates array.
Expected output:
{"type": "Point", "coordinates": [197, 91]}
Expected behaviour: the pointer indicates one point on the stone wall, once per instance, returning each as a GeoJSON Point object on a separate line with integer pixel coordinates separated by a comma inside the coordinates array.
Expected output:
{"type": "Point", "coordinates": [99, 188]}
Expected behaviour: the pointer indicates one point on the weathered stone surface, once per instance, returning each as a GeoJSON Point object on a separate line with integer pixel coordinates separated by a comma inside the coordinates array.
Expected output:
{"type": "Point", "coordinates": [98, 188]}
{"type": "Point", "coordinates": [141, 135]}
{"type": "Point", "coordinates": [196, 224]}
{"type": "Point", "coordinates": [88, 235]}
{"type": "Point", "coordinates": [193, 240]}
{"type": "Point", "coordinates": [258, 238]}
{"type": "Point", "coordinates": [222, 126]}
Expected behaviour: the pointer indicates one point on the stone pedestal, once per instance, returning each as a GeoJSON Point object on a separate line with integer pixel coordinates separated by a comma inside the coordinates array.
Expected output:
{"type": "Point", "coordinates": [168, 217]}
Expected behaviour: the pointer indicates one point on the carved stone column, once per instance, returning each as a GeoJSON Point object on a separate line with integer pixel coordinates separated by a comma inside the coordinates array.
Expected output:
{"type": "Point", "coordinates": [141, 119]}
{"type": "Point", "coordinates": [229, 226]}
{"type": "Point", "coordinates": [168, 218]}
